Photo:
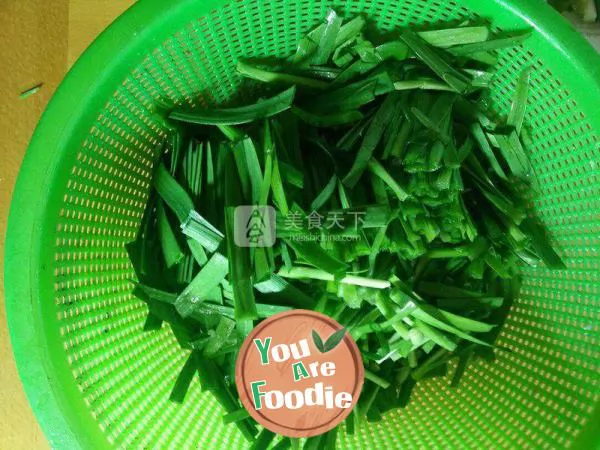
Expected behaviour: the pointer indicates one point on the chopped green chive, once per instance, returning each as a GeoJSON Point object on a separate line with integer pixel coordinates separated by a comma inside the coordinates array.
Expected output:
{"type": "Point", "coordinates": [416, 227]}
{"type": "Point", "coordinates": [31, 91]}
{"type": "Point", "coordinates": [241, 115]}
{"type": "Point", "coordinates": [209, 278]}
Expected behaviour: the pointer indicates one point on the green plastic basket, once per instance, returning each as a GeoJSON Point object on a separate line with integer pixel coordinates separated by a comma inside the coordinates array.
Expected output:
{"type": "Point", "coordinates": [96, 381]}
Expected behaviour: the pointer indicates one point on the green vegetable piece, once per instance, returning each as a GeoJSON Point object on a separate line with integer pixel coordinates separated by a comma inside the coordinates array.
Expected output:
{"type": "Point", "coordinates": [279, 196]}
{"type": "Point", "coordinates": [330, 439]}
{"type": "Point", "coordinates": [448, 253]}
{"type": "Point", "coordinates": [342, 56]}
{"type": "Point", "coordinates": [501, 202]}
{"type": "Point", "coordinates": [395, 50]}
{"type": "Point", "coordinates": [519, 104]}
{"type": "Point", "coordinates": [182, 384]}
{"type": "Point", "coordinates": [153, 322]}
{"type": "Point", "coordinates": [31, 91]}
{"type": "Point", "coordinates": [236, 116]}
{"type": "Point", "coordinates": [211, 275]}
{"type": "Point", "coordinates": [436, 336]}
{"type": "Point", "coordinates": [239, 257]}
{"type": "Point", "coordinates": [449, 37]}
{"type": "Point", "coordinates": [185, 270]}
{"type": "Point", "coordinates": [391, 134]}
{"type": "Point", "coordinates": [172, 193]}
{"type": "Point", "coordinates": [514, 155]}
{"type": "Point", "coordinates": [446, 291]}
{"type": "Point", "coordinates": [353, 71]}
{"type": "Point", "coordinates": [350, 30]}
{"type": "Point", "coordinates": [249, 169]}
{"type": "Point", "coordinates": [241, 273]}
{"type": "Point", "coordinates": [355, 95]}
{"type": "Point", "coordinates": [466, 324]}
{"type": "Point", "coordinates": [463, 362]}
{"type": "Point", "coordinates": [431, 125]}
{"type": "Point", "coordinates": [224, 330]}
{"type": "Point", "coordinates": [344, 200]}
{"type": "Point", "coordinates": [268, 151]}
{"type": "Point", "coordinates": [438, 359]}
{"type": "Point", "coordinates": [349, 140]}
{"type": "Point", "coordinates": [328, 39]}
{"type": "Point", "coordinates": [212, 380]}
{"type": "Point", "coordinates": [416, 160]}
{"type": "Point", "coordinates": [427, 314]}
{"type": "Point", "coordinates": [325, 194]}
{"type": "Point", "coordinates": [243, 328]}
{"type": "Point", "coordinates": [371, 140]}
{"type": "Point", "coordinates": [398, 147]}
{"type": "Point", "coordinates": [144, 251]}
{"type": "Point", "coordinates": [156, 294]}
{"type": "Point", "coordinates": [231, 133]}
{"type": "Point", "coordinates": [458, 80]}
{"type": "Point", "coordinates": [236, 416]}
{"type": "Point", "coordinates": [365, 50]}
{"type": "Point", "coordinates": [376, 379]}
{"type": "Point", "coordinates": [465, 150]}
{"type": "Point", "coordinates": [291, 175]}
{"type": "Point", "coordinates": [285, 292]}
{"type": "Point", "coordinates": [285, 255]}
{"type": "Point", "coordinates": [263, 440]}
{"type": "Point", "coordinates": [263, 311]}
{"type": "Point", "coordinates": [197, 251]}
{"type": "Point", "coordinates": [181, 328]}
{"type": "Point", "coordinates": [487, 58]}
{"type": "Point", "coordinates": [481, 78]}
{"type": "Point", "coordinates": [380, 192]}
{"type": "Point", "coordinates": [367, 401]}
{"type": "Point", "coordinates": [192, 168]}
{"type": "Point", "coordinates": [248, 70]}
{"type": "Point", "coordinates": [168, 242]}
{"type": "Point", "coordinates": [199, 229]}
{"type": "Point", "coordinates": [379, 171]}
{"type": "Point", "coordinates": [299, 273]}
{"type": "Point", "coordinates": [327, 120]}
{"type": "Point", "coordinates": [349, 422]}
{"type": "Point", "coordinates": [283, 444]}
{"type": "Point", "coordinates": [486, 148]}
{"type": "Point", "coordinates": [541, 245]}
{"type": "Point", "coordinates": [490, 45]}
{"type": "Point", "coordinates": [176, 148]}
{"type": "Point", "coordinates": [314, 443]}
{"type": "Point", "coordinates": [424, 84]}
{"type": "Point", "coordinates": [322, 72]}
{"type": "Point", "coordinates": [308, 44]}
{"type": "Point", "coordinates": [318, 257]}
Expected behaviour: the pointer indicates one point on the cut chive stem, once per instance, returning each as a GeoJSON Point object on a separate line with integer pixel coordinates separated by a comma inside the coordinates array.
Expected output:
{"type": "Point", "coordinates": [298, 273]}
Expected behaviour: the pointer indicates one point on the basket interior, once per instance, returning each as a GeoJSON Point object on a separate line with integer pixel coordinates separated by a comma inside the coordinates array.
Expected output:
{"type": "Point", "coordinates": [539, 395]}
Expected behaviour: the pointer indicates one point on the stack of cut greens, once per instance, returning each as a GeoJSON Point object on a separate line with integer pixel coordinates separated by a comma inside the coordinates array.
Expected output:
{"type": "Point", "coordinates": [389, 135]}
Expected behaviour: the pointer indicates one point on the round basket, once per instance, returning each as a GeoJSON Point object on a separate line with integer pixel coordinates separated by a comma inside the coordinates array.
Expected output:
{"type": "Point", "coordinates": [96, 380]}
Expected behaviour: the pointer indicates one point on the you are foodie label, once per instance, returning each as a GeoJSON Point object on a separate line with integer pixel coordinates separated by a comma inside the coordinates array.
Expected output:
{"type": "Point", "coordinates": [299, 373]}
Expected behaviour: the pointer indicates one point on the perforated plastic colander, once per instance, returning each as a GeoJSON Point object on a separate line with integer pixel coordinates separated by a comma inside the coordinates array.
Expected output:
{"type": "Point", "coordinates": [96, 381]}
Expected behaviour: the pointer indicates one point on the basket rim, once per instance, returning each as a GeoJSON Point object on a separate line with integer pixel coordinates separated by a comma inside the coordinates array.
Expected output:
{"type": "Point", "coordinates": [47, 379]}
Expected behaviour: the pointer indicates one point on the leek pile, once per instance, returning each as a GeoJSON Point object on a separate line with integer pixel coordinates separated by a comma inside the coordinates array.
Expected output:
{"type": "Point", "coordinates": [399, 208]}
